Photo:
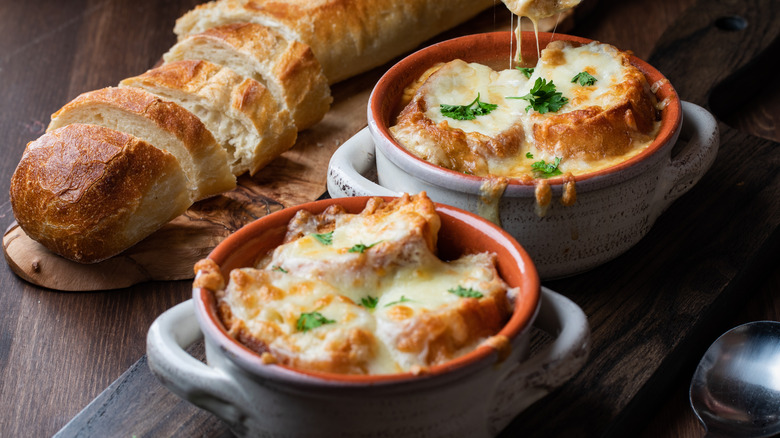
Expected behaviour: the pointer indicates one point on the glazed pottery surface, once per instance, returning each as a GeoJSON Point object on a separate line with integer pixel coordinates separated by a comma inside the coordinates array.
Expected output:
{"type": "Point", "coordinates": [476, 394]}
{"type": "Point", "coordinates": [615, 207]}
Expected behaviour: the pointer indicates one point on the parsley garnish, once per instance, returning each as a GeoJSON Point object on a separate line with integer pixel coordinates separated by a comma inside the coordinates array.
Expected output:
{"type": "Point", "coordinates": [402, 300]}
{"type": "Point", "coordinates": [543, 97]}
{"type": "Point", "coordinates": [527, 71]}
{"type": "Point", "coordinates": [529, 155]}
{"type": "Point", "coordinates": [465, 293]}
{"type": "Point", "coordinates": [546, 170]}
{"type": "Point", "coordinates": [311, 320]}
{"type": "Point", "coordinates": [584, 78]}
{"type": "Point", "coordinates": [324, 238]}
{"type": "Point", "coordinates": [280, 269]}
{"type": "Point", "coordinates": [361, 247]}
{"type": "Point", "coordinates": [467, 112]}
{"type": "Point", "coordinates": [368, 302]}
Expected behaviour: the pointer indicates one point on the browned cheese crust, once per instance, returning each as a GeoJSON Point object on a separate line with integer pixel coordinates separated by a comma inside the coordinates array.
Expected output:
{"type": "Point", "coordinates": [251, 306]}
{"type": "Point", "coordinates": [466, 152]}
{"type": "Point", "coordinates": [83, 191]}
{"type": "Point", "coordinates": [594, 133]}
{"type": "Point", "coordinates": [203, 161]}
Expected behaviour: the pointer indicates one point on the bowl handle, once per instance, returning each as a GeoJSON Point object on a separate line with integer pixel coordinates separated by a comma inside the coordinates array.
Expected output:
{"type": "Point", "coordinates": [532, 379]}
{"type": "Point", "coordinates": [186, 376]}
{"type": "Point", "coordinates": [686, 168]}
{"type": "Point", "coordinates": [349, 163]}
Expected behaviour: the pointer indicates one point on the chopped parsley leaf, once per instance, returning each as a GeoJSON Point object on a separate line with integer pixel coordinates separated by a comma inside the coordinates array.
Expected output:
{"type": "Point", "coordinates": [361, 247]}
{"type": "Point", "coordinates": [311, 320]}
{"type": "Point", "coordinates": [402, 300]}
{"type": "Point", "coordinates": [527, 71]}
{"type": "Point", "coordinates": [368, 302]}
{"type": "Point", "coordinates": [543, 98]}
{"type": "Point", "coordinates": [280, 269]}
{"type": "Point", "coordinates": [465, 293]}
{"type": "Point", "coordinates": [584, 78]}
{"type": "Point", "coordinates": [546, 170]}
{"type": "Point", "coordinates": [529, 155]}
{"type": "Point", "coordinates": [324, 238]}
{"type": "Point", "coordinates": [467, 112]}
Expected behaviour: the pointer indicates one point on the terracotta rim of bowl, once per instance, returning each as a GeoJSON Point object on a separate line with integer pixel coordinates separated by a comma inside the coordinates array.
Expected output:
{"type": "Point", "coordinates": [524, 277]}
{"type": "Point", "coordinates": [411, 67]}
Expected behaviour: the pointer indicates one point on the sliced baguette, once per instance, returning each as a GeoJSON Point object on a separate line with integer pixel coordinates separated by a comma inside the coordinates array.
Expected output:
{"type": "Point", "coordinates": [287, 68]}
{"type": "Point", "coordinates": [240, 112]}
{"type": "Point", "coordinates": [87, 192]}
{"type": "Point", "coordinates": [347, 37]}
{"type": "Point", "coordinates": [163, 124]}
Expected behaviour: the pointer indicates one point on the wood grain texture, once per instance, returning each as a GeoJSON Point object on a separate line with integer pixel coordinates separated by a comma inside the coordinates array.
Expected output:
{"type": "Point", "coordinates": [653, 311]}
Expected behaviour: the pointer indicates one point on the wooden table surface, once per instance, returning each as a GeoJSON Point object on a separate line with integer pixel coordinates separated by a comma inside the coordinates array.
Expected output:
{"type": "Point", "coordinates": [59, 351]}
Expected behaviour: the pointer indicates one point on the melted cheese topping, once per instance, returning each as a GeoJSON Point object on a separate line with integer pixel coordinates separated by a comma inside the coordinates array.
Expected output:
{"type": "Point", "coordinates": [415, 321]}
{"type": "Point", "coordinates": [459, 83]}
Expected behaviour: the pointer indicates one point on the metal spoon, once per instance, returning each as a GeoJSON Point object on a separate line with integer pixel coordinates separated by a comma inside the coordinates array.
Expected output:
{"type": "Point", "coordinates": [735, 390]}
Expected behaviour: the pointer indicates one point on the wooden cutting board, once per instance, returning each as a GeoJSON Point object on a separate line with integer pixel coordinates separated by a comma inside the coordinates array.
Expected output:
{"type": "Point", "coordinates": [298, 176]}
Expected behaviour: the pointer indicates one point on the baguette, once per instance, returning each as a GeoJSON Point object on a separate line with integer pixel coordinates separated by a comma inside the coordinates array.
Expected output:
{"type": "Point", "coordinates": [241, 113]}
{"type": "Point", "coordinates": [287, 68]}
{"type": "Point", "coordinates": [347, 37]}
{"type": "Point", "coordinates": [244, 77]}
{"type": "Point", "coordinates": [163, 124]}
{"type": "Point", "coordinates": [88, 192]}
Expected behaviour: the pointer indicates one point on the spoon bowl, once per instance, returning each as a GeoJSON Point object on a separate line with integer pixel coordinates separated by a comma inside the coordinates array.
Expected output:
{"type": "Point", "coordinates": [735, 391]}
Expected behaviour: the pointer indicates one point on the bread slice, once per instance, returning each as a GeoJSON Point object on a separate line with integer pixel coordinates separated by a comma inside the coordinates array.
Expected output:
{"type": "Point", "coordinates": [87, 192]}
{"type": "Point", "coordinates": [240, 112]}
{"type": "Point", "coordinates": [163, 124]}
{"type": "Point", "coordinates": [287, 68]}
{"type": "Point", "coordinates": [346, 37]}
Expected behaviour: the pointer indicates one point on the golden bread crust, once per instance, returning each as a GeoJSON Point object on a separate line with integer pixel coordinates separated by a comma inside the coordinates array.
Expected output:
{"type": "Point", "coordinates": [82, 191]}
{"type": "Point", "coordinates": [288, 68]}
{"type": "Point", "coordinates": [242, 99]}
{"type": "Point", "coordinates": [121, 108]}
{"type": "Point", "coordinates": [347, 37]}
{"type": "Point", "coordinates": [596, 132]}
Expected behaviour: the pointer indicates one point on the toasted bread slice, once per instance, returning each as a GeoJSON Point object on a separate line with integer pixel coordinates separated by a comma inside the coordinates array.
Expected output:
{"type": "Point", "coordinates": [163, 124]}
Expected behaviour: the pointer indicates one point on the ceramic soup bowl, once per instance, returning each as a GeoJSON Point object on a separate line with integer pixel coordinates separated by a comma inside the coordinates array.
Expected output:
{"type": "Point", "coordinates": [474, 395]}
{"type": "Point", "coordinates": [615, 207]}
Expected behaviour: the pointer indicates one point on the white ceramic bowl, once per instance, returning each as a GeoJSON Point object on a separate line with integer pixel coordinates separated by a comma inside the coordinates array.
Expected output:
{"type": "Point", "coordinates": [258, 399]}
{"type": "Point", "coordinates": [615, 207]}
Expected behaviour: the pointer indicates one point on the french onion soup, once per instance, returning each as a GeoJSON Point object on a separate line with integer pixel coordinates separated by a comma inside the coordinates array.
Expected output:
{"type": "Point", "coordinates": [580, 108]}
{"type": "Point", "coordinates": [362, 293]}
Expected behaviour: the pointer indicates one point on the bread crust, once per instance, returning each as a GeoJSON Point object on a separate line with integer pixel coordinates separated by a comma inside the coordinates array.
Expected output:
{"type": "Point", "coordinates": [287, 68]}
{"type": "Point", "coordinates": [358, 35]}
{"type": "Point", "coordinates": [87, 192]}
{"type": "Point", "coordinates": [246, 100]}
{"type": "Point", "coordinates": [204, 162]}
